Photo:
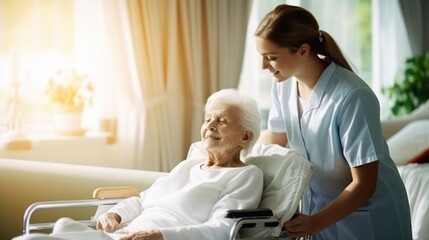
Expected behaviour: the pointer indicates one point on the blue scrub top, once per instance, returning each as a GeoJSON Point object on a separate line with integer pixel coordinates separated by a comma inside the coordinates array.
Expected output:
{"type": "Point", "coordinates": [339, 129]}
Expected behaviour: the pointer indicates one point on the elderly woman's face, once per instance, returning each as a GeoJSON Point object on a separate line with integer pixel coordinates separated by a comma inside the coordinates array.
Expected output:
{"type": "Point", "coordinates": [222, 130]}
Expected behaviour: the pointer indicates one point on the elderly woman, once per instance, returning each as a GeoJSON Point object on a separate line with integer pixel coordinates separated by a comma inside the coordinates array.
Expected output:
{"type": "Point", "coordinates": [190, 202]}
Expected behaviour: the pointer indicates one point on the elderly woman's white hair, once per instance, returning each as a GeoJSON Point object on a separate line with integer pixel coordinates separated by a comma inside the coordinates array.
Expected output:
{"type": "Point", "coordinates": [249, 114]}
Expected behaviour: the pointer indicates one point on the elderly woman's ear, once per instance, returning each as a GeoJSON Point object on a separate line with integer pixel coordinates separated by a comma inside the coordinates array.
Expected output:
{"type": "Point", "coordinates": [247, 137]}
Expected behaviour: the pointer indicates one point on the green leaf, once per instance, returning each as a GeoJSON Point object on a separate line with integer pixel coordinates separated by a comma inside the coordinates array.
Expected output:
{"type": "Point", "coordinates": [412, 89]}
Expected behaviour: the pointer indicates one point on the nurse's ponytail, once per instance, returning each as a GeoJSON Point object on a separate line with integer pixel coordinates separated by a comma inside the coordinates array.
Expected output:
{"type": "Point", "coordinates": [291, 26]}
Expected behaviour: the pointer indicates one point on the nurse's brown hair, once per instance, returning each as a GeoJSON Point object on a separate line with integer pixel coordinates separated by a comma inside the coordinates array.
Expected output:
{"type": "Point", "coordinates": [290, 26]}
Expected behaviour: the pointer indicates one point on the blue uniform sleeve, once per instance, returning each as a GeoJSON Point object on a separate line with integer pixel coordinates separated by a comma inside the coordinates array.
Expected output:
{"type": "Point", "coordinates": [360, 128]}
{"type": "Point", "coordinates": [275, 118]}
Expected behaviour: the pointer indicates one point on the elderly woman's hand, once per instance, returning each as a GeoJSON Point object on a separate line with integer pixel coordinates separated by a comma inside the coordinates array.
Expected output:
{"type": "Point", "coordinates": [109, 222]}
{"type": "Point", "coordinates": [144, 235]}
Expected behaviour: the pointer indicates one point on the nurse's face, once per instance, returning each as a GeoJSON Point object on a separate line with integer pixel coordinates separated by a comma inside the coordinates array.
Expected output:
{"type": "Point", "coordinates": [280, 61]}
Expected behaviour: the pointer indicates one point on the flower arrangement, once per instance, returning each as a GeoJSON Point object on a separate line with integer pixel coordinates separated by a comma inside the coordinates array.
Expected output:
{"type": "Point", "coordinates": [69, 89]}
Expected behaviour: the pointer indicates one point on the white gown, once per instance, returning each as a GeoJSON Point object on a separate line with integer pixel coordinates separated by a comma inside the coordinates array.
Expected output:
{"type": "Point", "coordinates": [190, 203]}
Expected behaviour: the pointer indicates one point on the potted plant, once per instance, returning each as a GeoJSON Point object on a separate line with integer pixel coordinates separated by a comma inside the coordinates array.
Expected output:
{"type": "Point", "coordinates": [413, 89]}
{"type": "Point", "coordinates": [69, 92]}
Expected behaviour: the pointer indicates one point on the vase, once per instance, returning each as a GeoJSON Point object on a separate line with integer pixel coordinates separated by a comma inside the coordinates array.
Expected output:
{"type": "Point", "coordinates": [68, 120]}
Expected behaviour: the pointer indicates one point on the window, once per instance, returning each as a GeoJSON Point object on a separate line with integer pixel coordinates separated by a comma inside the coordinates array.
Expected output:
{"type": "Point", "coordinates": [351, 27]}
{"type": "Point", "coordinates": [352, 35]}
{"type": "Point", "coordinates": [38, 36]}
{"type": "Point", "coordinates": [38, 40]}
{"type": "Point", "coordinates": [42, 38]}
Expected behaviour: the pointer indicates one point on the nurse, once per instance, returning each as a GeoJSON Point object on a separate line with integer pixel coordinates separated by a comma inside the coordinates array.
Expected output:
{"type": "Point", "coordinates": [325, 112]}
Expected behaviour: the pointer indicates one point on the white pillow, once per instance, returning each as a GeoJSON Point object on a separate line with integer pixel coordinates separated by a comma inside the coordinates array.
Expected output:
{"type": "Point", "coordinates": [410, 142]}
{"type": "Point", "coordinates": [196, 151]}
{"type": "Point", "coordinates": [285, 179]}
{"type": "Point", "coordinates": [286, 176]}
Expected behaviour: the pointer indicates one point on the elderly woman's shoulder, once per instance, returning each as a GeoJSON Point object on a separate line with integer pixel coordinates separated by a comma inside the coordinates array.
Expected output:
{"type": "Point", "coordinates": [253, 169]}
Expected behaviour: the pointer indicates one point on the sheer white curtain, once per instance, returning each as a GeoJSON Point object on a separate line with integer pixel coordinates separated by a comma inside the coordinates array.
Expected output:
{"type": "Point", "coordinates": [213, 43]}
{"type": "Point", "coordinates": [154, 120]}
{"type": "Point", "coordinates": [253, 80]}
{"type": "Point", "coordinates": [416, 18]}
{"type": "Point", "coordinates": [101, 40]}
{"type": "Point", "coordinates": [390, 47]}
{"type": "Point", "coordinates": [158, 62]}
{"type": "Point", "coordinates": [343, 26]}
{"type": "Point", "coordinates": [182, 51]}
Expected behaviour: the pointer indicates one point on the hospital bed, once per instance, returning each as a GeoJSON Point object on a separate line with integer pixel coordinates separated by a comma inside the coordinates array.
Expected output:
{"type": "Point", "coordinates": [286, 176]}
{"type": "Point", "coordinates": [408, 140]}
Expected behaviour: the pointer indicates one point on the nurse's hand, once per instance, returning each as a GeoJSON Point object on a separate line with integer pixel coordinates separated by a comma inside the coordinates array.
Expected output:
{"type": "Point", "coordinates": [109, 222]}
{"type": "Point", "coordinates": [301, 226]}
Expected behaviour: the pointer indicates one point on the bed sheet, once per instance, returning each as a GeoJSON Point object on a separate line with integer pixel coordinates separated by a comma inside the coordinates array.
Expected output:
{"type": "Point", "coordinates": [416, 180]}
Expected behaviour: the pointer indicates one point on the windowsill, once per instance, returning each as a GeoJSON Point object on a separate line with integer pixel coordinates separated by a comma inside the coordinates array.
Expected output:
{"type": "Point", "coordinates": [36, 141]}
